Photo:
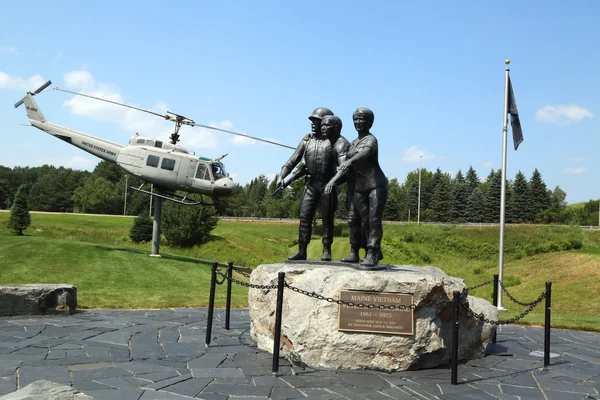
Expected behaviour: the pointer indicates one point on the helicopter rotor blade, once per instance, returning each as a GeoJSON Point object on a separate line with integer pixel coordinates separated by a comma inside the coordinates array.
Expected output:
{"type": "Point", "coordinates": [243, 135]}
{"type": "Point", "coordinates": [114, 102]}
{"type": "Point", "coordinates": [176, 118]}
{"type": "Point", "coordinates": [44, 86]}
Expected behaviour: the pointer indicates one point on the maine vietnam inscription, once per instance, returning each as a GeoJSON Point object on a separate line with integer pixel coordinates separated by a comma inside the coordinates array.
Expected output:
{"type": "Point", "coordinates": [376, 320]}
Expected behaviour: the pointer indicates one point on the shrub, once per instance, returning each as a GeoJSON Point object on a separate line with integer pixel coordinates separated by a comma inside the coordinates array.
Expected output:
{"type": "Point", "coordinates": [141, 230]}
{"type": "Point", "coordinates": [186, 226]}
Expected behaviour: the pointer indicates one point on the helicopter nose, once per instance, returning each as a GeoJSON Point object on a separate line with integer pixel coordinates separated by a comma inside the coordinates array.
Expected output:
{"type": "Point", "coordinates": [225, 187]}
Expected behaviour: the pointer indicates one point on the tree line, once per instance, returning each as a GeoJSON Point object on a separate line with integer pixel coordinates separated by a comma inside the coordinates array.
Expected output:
{"type": "Point", "coordinates": [443, 198]}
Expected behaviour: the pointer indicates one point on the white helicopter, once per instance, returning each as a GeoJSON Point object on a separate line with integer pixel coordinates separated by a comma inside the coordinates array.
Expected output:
{"type": "Point", "coordinates": [167, 166]}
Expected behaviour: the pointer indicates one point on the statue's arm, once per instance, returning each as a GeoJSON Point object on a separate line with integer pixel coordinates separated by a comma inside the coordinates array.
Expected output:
{"type": "Point", "coordinates": [293, 161]}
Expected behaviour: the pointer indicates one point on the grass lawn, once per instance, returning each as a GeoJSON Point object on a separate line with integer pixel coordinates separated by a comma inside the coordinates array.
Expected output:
{"type": "Point", "coordinates": [95, 254]}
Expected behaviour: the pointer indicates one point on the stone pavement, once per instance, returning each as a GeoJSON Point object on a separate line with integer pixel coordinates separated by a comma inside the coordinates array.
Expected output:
{"type": "Point", "coordinates": [160, 354]}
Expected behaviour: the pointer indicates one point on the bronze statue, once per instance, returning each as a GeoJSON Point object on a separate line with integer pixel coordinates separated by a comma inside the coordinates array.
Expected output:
{"type": "Point", "coordinates": [368, 187]}
{"type": "Point", "coordinates": [318, 154]}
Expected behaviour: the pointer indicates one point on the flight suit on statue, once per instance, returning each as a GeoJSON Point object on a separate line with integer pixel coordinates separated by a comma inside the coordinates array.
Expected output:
{"type": "Point", "coordinates": [317, 152]}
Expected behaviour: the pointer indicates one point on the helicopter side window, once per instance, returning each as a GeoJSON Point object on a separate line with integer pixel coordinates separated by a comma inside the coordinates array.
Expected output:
{"type": "Point", "coordinates": [141, 141]}
{"type": "Point", "coordinates": [167, 163]}
{"type": "Point", "coordinates": [152, 161]}
{"type": "Point", "coordinates": [150, 142]}
{"type": "Point", "coordinates": [158, 144]}
{"type": "Point", "coordinates": [202, 172]}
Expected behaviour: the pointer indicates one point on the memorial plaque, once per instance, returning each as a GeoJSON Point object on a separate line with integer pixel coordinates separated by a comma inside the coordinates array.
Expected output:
{"type": "Point", "coordinates": [376, 320]}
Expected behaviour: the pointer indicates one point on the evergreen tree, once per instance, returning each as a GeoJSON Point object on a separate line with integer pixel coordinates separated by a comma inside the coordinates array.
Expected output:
{"type": "Point", "coordinates": [460, 194]}
{"type": "Point", "coordinates": [472, 179]}
{"type": "Point", "coordinates": [187, 226]}
{"type": "Point", "coordinates": [395, 203]}
{"type": "Point", "coordinates": [441, 201]}
{"type": "Point", "coordinates": [521, 199]}
{"type": "Point", "coordinates": [19, 213]}
{"type": "Point", "coordinates": [539, 194]}
{"type": "Point", "coordinates": [141, 230]}
{"type": "Point", "coordinates": [493, 197]}
{"type": "Point", "coordinates": [475, 206]}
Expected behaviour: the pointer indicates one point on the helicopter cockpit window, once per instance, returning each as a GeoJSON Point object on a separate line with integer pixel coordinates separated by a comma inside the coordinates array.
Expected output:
{"type": "Point", "coordinates": [158, 144]}
{"type": "Point", "coordinates": [167, 163]}
{"type": "Point", "coordinates": [218, 171]}
{"type": "Point", "coordinates": [202, 172]}
{"type": "Point", "coordinates": [152, 161]}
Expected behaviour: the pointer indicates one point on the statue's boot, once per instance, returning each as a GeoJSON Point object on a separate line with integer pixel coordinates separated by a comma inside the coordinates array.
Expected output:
{"type": "Point", "coordinates": [353, 256]}
{"type": "Point", "coordinates": [326, 253]}
{"type": "Point", "coordinates": [380, 255]}
{"type": "Point", "coordinates": [301, 254]}
{"type": "Point", "coordinates": [371, 258]}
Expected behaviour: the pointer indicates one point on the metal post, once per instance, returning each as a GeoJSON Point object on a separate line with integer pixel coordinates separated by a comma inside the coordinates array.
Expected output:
{"type": "Point", "coordinates": [156, 227]}
{"type": "Point", "coordinates": [278, 312]}
{"type": "Point", "coordinates": [503, 190]}
{"type": "Point", "coordinates": [547, 325]}
{"type": "Point", "coordinates": [495, 300]}
{"type": "Point", "coordinates": [419, 201]}
{"type": "Point", "coordinates": [151, 190]}
{"type": "Point", "coordinates": [125, 205]}
{"type": "Point", "coordinates": [211, 303]}
{"type": "Point", "coordinates": [228, 301]}
{"type": "Point", "coordinates": [456, 314]}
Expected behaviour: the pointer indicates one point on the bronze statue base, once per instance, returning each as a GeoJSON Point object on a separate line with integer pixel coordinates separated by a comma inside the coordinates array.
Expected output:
{"type": "Point", "coordinates": [357, 266]}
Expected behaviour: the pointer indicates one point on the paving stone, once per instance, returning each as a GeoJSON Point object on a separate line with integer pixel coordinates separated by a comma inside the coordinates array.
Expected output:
{"type": "Point", "coordinates": [217, 372]}
{"type": "Point", "coordinates": [123, 382]}
{"type": "Point", "coordinates": [115, 394]}
{"type": "Point", "coordinates": [522, 392]}
{"type": "Point", "coordinates": [208, 361]}
{"type": "Point", "coordinates": [213, 396]}
{"type": "Point", "coordinates": [239, 390]}
{"type": "Point", "coordinates": [166, 382]}
{"type": "Point", "coordinates": [189, 387]}
{"type": "Point", "coordinates": [159, 376]}
{"type": "Point", "coordinates": [118, 338]}
{"type": "Point", "coordinates": [95, 374]}
{"type": "Point", "coordinates": [286, 393]}
{"type": "Point", "coordinates": [28, 375]}
{"type": "Point", "coordinates": [152, 395]}
{"type": "Point", "coordinates": [8, 384]}
{"type": "Point", "coordinates": [270, 381]}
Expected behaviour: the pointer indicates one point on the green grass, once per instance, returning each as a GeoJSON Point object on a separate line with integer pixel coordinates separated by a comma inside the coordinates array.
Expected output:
{"type": "Point", "coordinates": [95, 254]}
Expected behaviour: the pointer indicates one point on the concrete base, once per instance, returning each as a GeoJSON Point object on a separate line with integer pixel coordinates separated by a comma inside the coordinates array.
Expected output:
{"type": "Point", "coordinates": [35, 299]}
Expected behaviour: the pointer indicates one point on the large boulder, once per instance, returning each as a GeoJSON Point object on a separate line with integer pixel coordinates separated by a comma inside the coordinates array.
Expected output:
{"type": "Point", "coordinates": [310, 335]}
{"type": "Point", "coordinates": [32, 299]}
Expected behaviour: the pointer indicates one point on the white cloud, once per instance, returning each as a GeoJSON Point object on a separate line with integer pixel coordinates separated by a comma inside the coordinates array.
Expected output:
{"type": "Point", "coordinates": [412, 154]}
{"type": "Point", "coordinates": [579, 159]}
{"type": "Point", "coordinates": [16, 82]}
{"type": "Point", "coordinates": [11, 50]}
{"type": "Point", "coordinates": [562, 114]}
{"type": "Point", "coordinates": [243, 141]}
{"type": "Point", "coordinates": [488, 164]}
{"type": "Point", "coordinates": [573, 171]}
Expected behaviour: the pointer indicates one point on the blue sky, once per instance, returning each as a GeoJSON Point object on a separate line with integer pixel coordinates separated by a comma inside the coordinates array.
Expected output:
{"type": "Point", "coordinates": [432, 72]}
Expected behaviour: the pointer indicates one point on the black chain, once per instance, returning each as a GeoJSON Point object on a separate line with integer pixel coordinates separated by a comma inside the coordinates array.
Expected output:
{"type": "Point", "coordinates": [515, 300]}
{"type": "Point", "coordinates": [246, 284]}
{"type": "Point", "coordinates": [508, 321]}
{"type": "Point", "coordinates": [362, 305]}
{"type": "Point", "coordinates": [481, 285]}
{"type": "Point", "coordinates": [245, 274]}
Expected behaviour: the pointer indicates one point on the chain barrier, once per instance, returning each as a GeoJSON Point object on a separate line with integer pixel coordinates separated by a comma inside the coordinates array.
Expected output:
{"type": "Point", "coordinates": [481, 285]}
{"type": "Point", "coordinates": [481, 317]}
{"type": "Point", "coordinates": [515, 300]}
{"type": "Point", "coordinates": [530, 306]}
{"type": "Point", "coordinates": [246, 284]}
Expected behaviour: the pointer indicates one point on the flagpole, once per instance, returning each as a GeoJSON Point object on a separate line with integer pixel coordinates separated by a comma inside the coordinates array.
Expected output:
{"type": "Point", "coordinates": [503, 190]}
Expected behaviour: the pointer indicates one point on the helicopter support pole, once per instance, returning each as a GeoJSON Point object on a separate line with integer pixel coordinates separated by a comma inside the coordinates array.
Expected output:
{"type": "Point", "coordinates": [156, 227]}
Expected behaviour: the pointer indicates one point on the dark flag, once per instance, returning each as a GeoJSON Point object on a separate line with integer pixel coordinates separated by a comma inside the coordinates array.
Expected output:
{"type": "Point", "coordinates": [514, 116]}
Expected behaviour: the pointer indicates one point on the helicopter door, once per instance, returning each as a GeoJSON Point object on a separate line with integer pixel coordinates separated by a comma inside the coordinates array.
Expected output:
{"type": "Point", "coordinates": [203, 179]}
{"type": "Point", "coordinates": [187, 171]}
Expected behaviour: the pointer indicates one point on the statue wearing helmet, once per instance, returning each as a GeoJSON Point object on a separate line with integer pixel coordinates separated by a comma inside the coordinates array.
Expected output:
{"type": "Point", "coordinates": [317, 151]}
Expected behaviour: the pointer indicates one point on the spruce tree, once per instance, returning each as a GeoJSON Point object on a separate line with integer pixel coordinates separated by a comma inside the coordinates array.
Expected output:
{"type": "Point", "coordinates": [521, 199]}
{"type": "Point", "coordinates": [19, 213]}
{"type": "Point", "coordinates": [472, 179]}
{"type": "Point", "coordinates": [475, 206]}
{"type": "Point", "coordinates": [141, 230]}
{"type": "Point", "coordinates": [539, 194]}
{"type": "Point", "coordinates": [460, 194]}
{"type": "Point", "coordinates": [493, 196]}
{"type": "Point", "coordinates": [441, 202]}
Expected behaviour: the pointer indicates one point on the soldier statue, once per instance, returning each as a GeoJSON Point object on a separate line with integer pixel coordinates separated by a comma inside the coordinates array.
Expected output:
{"type": "Point", "coordinates": [317, 152]}
{"type": "Point", "coordinates": [368, 187]}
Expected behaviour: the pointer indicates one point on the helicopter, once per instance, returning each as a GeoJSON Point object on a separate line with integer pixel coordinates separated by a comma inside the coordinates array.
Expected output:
{"type": "Point", "coordinates": [166, 165]}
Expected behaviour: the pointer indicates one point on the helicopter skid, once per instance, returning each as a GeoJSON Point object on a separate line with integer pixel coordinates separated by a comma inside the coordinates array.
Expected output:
{"type": "Point", "coordinates": [173, 197]}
